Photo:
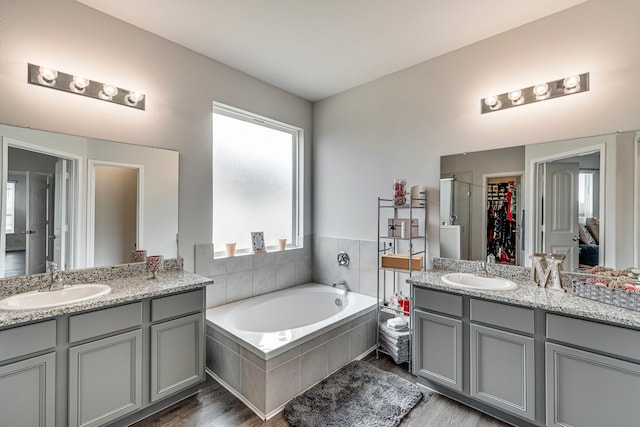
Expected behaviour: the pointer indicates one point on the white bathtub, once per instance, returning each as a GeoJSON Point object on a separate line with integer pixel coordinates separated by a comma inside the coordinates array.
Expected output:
{"type": "Point", "coordinates": [273, 323]}
{"type": "Point", "coordinates": [268, 349]}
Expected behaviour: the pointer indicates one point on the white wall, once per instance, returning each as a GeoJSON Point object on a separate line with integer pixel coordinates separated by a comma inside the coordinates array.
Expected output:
{"type": "Point", "coordinates": [180, 87]}
{"type": "Point", "coordinates": [401, 124]}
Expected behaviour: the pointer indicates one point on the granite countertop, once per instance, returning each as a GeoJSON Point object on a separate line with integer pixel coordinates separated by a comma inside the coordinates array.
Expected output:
{"type": "Point", "coordinates": [123, 289]}
{"type": "Point", "coordinates": [530, 295]}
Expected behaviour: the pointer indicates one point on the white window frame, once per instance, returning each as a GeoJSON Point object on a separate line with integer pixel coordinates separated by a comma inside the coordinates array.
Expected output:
{"type": "Point", "coordinates": [298, 172]}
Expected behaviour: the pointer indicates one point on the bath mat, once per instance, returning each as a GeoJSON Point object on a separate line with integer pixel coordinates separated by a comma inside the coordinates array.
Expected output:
{"type": "Point", "coordinates": [357, 395]}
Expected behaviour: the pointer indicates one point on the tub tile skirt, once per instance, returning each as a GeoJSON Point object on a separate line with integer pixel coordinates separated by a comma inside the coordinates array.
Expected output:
{"type": "Point", "coordinates": [266, 386]}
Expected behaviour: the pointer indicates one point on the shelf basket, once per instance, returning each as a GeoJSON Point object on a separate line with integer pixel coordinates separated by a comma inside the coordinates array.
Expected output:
{"type": "Point", "coordinates": [617, 297]}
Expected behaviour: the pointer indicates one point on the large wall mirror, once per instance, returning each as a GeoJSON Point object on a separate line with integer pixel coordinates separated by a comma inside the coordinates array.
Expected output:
{"type": "Point", "coordinates": [577, 197]}
{"type": "Point", "coordinates": [81, 202]}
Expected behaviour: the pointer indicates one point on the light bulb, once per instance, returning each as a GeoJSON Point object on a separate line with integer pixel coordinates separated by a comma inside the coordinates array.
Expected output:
{"type": "Point", "coordinates": [79, 84]}
{"type": "Point", "coordinates": [571, 82]}
{"type": "Point", "coordinates": [48, 75]}
{"type": "Point", "coordinates": [108, 92]}
{"type": "Point", "coordinates": [491, 101]}
{"type": "Point", "coordinates": [541, 90]}
{"type": "Point", "coordinates": [134, 97]}
{"type": "Point", "coordinates": [515, 95]}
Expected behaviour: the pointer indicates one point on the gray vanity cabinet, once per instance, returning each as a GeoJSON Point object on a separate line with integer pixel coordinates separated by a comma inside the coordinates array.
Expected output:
{"type": "Point", "coordinates": [177, 355]}
{"type": "Point", "coordinates": [27, 392]}
{"type": "Point", "coordinates": [27, 377]}
{"type": "Point", "coordinates": [177, 345]}
{"type": "Point", "coordinates": [105, 374]}
{"type": "Point", "coordinates": [438, 337]}
{"type": "Point", "coordinates": [502, 363]}
{"type": "Point", "coordinates": [583, 387]}
{"type": "Point", "coordinates": [105, 379]}
{"type": "Point", "coordinates": [502, 370]}
{"type": "Point", "coordinates": [439, 354]}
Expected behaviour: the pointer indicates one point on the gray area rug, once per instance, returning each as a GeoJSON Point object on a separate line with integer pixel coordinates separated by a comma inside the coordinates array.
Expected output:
{"type": "Point", "coordinates": [357, 395]}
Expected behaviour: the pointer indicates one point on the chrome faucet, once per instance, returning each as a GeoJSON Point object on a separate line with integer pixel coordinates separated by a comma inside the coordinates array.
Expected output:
{"type": "Point", "coordinates": [482, 271]}
{"type": "Point", "coordinates": [341, 283]}
{"type": "Point", "coordinates": [55, 283]}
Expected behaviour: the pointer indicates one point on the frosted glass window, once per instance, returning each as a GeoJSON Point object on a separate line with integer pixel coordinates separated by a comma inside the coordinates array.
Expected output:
{"type": "Point", "coordinates": [11, 208]}
{"type": "Point", "coordinates": [585, 196]}
{"type": "Point", "coordinates": [255, 170]}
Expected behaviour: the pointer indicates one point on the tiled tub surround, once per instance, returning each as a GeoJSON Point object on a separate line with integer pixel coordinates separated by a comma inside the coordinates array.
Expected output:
{"type": "Point", "coordinates": [128, 282]}
{"type": "Point", "coordinates": [528, 294]}
{"type": "Point", "coordinates": [266, 381]}
{"type": "Point", "coordinates": [360, 274]}
{"type": "Point", "coordinates": [247, 275]}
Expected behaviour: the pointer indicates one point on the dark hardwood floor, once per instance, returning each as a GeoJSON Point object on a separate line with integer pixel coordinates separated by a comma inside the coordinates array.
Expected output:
{"type": "Point", "coordinates": [14, 263]}
{"type": "Point", "coordinates": [215, 406]}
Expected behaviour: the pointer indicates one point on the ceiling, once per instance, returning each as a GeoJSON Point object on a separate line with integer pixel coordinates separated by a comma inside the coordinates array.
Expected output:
{"type": "Point", "coordinates": [317, 48]}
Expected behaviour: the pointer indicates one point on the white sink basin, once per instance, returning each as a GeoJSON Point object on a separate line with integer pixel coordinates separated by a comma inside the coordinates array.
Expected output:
{"type": "Point", "coordinates": [471, 281]}
{"type": "Point", "coordinates": [36, 300]}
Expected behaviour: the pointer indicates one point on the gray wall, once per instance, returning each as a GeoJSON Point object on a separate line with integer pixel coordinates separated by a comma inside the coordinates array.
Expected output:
{"type": "Point", "coordinates": [401, 124]}
{"type": "Point", "coordinates": [180, 87]}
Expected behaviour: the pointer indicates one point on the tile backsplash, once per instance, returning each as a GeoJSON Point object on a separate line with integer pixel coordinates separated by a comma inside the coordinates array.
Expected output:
{"type": "Point", "coordinates": [360, 274]}
{"type": "Point", "coordinates": [247, 275]}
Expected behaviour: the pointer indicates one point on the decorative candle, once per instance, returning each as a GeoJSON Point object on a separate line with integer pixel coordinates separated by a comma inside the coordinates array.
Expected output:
{"type": "Point", "coordinates": [139, 255]}
{"type": "Point", "coordinates": [231, 248]}
{"type": "Point", "coordinates": [155, 263]}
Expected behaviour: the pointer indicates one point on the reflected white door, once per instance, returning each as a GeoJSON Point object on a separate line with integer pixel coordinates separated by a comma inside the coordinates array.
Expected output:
{"type": "Point", "coordinates": [561, 211]}
{"type": "Point", "coordinates": [60, 226]}
{"type": "Point", "coordinates": [36, 253]}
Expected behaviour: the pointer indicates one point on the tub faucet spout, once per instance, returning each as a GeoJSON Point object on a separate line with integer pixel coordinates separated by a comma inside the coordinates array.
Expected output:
{"type": "Point", "coordinates": [341, 283]}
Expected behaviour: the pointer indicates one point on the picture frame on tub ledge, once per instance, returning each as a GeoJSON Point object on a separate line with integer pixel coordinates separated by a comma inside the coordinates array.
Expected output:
{"type": "Point", "coordinates": [257, 241]}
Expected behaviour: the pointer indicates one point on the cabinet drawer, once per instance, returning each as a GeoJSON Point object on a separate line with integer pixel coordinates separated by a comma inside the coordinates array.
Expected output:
{"type": "Point", "coordinates": [438, 301]}
{"type": "Point", "coordinates": [105, 321]}
{"type": "Point", "coordinates": [177, 305]}
{"type": "Point", "coordinates": [23, 340]}
{"type": "Point", "coordinates": [503, 315]}
{"type": "Point", "coordinates": [597, 336]}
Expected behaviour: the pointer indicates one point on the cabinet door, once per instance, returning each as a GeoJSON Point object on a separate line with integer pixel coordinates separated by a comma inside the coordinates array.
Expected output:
{"type": "Point", "coordinates": [177, 355]}
{"type": "Point", "coordinates": [502, 370]}
{"type": "Point", "coordinates": [584, 389]}
{"type": "Point", "coordinates": [105, 379]}
{"type": "Point", "coordinates": [438, 344]}
{"type": "Point", "coordinates": [28, 392]}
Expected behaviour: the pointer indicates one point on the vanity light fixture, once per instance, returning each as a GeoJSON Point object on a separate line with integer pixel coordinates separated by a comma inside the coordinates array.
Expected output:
{"type": "Point", "coordinates": [554, 89]}
{"type": "Point", "coordinates": [48, 77]}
